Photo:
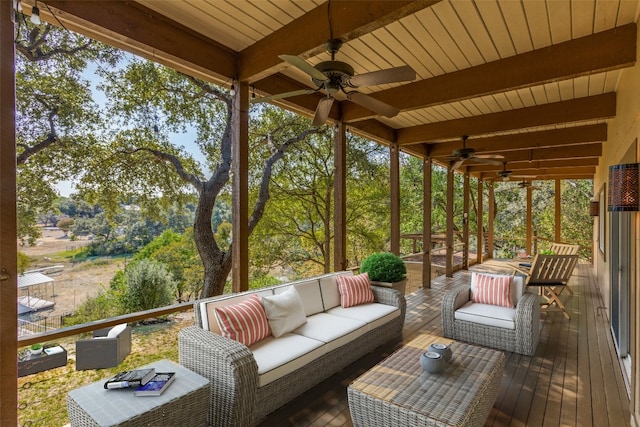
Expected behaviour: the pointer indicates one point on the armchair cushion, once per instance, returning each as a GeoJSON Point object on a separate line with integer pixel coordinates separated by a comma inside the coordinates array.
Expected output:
{"type": "Point", "coordinates": [245, 322]}
{"type": "Point", "coordinates": [487, 314]}
{"type": "Point", "coordinates": [492, 290]}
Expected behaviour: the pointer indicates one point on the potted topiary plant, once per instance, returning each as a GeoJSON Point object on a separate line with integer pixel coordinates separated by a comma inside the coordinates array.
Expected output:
{"type": "Point", "coordinates": [385, 269]}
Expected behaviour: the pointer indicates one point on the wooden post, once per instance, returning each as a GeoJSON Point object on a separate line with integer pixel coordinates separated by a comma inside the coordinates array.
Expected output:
{"type": "Point", "coordinates": [529, 245]}
{"type": "Point", "coordinates": [480, 220]}
{"type": "Point", "coordinates": [240, 188]}
{"type": "Point", "coordinates": [8, 245]}
{"type": "Point", "coordinates": [465, 222]}
{"type": "Point", "coordinates": [426, 223]}
{"type": "Point", "coordinates": [449, 236]}
{"type": "Point", "coordinates": [394, 155]}
{"type": "Point", "coordinates": [491, 220]}
{"type": "Point", "coordinates": [340, 261]}
{"type": "Point", "coordinates": [558, 212]}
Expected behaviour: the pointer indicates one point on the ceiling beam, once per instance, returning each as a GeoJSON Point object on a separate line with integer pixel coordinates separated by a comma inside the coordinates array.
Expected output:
{"type": "Point", "coordinates": [526, 140]}
{"type": "Point", "coordinates": [597, 53]}
{"type": "Point", "coordinates": [556, 153]}
{"type": "Point", "coordinates": [377, 131]}
{"type": "Point", "coordinates": [579, 109]}
{"type": "Point", "coordinates": [538, 164]}
{"type": "Point", "coordinates": [306, 36]}
{"type": "Point", "coordinates": [547, 173]}
{"type": "Point", "coordinates": [139, 30]}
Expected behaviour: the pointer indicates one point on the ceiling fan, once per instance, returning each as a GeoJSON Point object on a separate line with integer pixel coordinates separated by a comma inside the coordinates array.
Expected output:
{"type": "Point", "coordinates": [464, 154]}
{"type": "Point", "coordinates": [335, 76]}
{"type": "Point", "coordinates": [506, 175]}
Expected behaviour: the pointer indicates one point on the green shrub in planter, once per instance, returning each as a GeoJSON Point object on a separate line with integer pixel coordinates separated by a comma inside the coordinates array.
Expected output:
{"type": "Point", "coordinates": [384, 267]}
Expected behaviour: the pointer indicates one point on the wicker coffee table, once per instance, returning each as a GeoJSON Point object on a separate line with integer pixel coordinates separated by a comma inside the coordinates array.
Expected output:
{"type": "Point", "coordinates": [184, 403]}
{"type": "Point", "coordinates": [397, 392]}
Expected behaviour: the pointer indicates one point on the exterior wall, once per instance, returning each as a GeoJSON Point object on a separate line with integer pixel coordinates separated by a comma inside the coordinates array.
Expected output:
{"type": "Point", "coordinates": [623, 134]}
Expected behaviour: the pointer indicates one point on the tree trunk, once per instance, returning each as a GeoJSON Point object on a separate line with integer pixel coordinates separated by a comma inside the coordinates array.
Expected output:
{"type": "Point", "coordinates": [216, 262]}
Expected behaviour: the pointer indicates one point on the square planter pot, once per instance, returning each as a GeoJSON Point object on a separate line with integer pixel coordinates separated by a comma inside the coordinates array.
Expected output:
{"type": "Point", "coordinates": [400, 286]}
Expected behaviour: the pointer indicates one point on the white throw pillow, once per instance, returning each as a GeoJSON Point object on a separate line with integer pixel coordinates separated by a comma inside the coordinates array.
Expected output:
{"type": "Point", "coordinates": [284, 311]}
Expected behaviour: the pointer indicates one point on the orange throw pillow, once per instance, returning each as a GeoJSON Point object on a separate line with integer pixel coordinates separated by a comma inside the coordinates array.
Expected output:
{"type": "Point", "coordinates": [494, 290]}
{"type": "Point", "coordinates": [354, 290]}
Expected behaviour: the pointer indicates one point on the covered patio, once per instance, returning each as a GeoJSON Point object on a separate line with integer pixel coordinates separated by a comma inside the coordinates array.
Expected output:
{"type": "Point", "coordinates": [572, 380]}
{"type": "Point", "coordinates": [548, 86]}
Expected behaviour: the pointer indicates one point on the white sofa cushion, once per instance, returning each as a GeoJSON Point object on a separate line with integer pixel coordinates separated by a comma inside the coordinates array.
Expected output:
{"type": "Point", "coordinates": [277, 357]}
{"type": "Point", "coordinates": [329, 289]}
{"type": "Point", "coordinates": [335, 331]}
{"type": "Point", "coordinates": [373, 314]}
{"type": "Point", "coordinates": [309, 292]}
{"type": "Point", "coordinates": [284, 311]}
{"type": "Point", "coordinates": [490, 315]}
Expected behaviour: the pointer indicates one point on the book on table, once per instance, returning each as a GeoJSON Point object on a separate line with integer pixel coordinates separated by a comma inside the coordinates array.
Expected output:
{"type": "Point", "coordinates": [158, 384]}
{"type": "Point", "coordinates": [134, 378]}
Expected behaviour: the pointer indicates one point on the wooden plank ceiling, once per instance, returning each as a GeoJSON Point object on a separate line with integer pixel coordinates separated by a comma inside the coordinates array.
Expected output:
{"type": "Point", "coordinates": [534, 81]}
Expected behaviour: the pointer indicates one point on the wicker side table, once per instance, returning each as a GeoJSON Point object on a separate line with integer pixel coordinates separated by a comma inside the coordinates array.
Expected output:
{"type": "Point", "coordinates": [397, 392]}
{"type": "Point", "coordinates": [184, 403]}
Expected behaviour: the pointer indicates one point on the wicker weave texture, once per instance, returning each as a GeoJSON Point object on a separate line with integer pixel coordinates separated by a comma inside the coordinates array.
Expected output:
{"type": "Point", "coordinates": [235, 398]}
{"type": "Point", "coordinates": [397, 392]}
{"type": "Point", "coordinates": [523, 339]}
{"type": "Point", "coordinates": [184, 403]}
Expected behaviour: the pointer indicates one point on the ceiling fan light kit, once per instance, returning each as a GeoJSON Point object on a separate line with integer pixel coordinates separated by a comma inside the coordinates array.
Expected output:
{"type": "Point", "coordinates": [331, 77]}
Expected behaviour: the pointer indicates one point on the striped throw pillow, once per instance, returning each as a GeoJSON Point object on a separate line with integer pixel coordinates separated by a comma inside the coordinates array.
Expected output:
{"type": "Point", "coordinates": [245, 322]}
{"type": "Point", "coordinates": [354, 290]}
{"type": "Point", "coordinates": [492, 289]}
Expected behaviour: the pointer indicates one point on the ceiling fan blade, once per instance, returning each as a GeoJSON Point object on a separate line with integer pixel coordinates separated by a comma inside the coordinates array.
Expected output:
{"type": "Point", "coordinates": [373, 104]}
{"type": "Point", "coordinates": [322, 111]}
{"type": "Point", "coordinates": [457, 164]}
{"type": "Point", "coordinates": [390, 75]}
{"type": "Point", "coordinates": [485, 161]}
{"type": "Point", "coordinates": [489, 156]}
{"type": "Point", "coordinates": [283, 95]}
{"type": "Point", "coordinates": [303, 65]}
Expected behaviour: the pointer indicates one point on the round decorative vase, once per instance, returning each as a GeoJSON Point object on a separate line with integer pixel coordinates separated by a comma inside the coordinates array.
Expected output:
{"type": "Point", "coordinates": [432, 362]}
{"type": "Point", "coordinates": [36, 351]}
{"type": "Point", "coordinates": [441, 349]}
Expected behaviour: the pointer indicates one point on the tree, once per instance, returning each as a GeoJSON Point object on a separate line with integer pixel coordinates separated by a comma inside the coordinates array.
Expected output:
{"type": "Point", "coordinates": [150, 104]}
{"type": "Point", "coordinates": [297, 230]}
{"type": "Point", "coordinates": [65, 225]}
{"type": "Point", "coordinates": [148, 285]}
{"type": "Point", "coordinates": [56, 118]}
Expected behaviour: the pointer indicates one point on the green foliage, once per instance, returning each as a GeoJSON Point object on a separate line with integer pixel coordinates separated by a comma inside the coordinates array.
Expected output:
{"type": "Point", "coordinates": [23, 262]}
{"type": "Point", "coordinates": [384, 267]}
{"type": "Point", "coordinates": [102, 306]}
{"type": "Point", "coordinates": [65, 224]}
{"type": "Point", "coordinates": [149, 285]}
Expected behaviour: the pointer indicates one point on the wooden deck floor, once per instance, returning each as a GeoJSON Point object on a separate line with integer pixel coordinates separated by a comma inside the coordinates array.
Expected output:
{"type": "Point", "coordinates": [574, 378]}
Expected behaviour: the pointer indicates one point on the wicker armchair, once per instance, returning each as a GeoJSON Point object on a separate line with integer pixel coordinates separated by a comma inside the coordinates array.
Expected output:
{"type": "Point", "coordinates": [107, 348]}
{"type": "Point", "coordinates": [523, 339]}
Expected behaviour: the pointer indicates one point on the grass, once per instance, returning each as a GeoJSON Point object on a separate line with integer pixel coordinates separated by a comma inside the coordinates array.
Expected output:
{"type": "Point", "coordinates": [42, 396]}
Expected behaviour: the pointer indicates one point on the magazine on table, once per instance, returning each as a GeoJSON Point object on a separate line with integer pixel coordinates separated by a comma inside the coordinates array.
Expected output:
{"type": "Point", "coordinates": [157, 385]}
{"type": "Point", "coordinates": [134, 378]}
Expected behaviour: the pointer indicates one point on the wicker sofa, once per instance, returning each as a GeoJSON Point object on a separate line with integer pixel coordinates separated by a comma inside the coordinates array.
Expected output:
{"type": "Point", "coordinates": [514, 329]}
{"type": "Point", "coordinates": [248, 383]}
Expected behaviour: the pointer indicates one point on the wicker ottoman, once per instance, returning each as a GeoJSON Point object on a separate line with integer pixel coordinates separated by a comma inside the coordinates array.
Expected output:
{"type": "Point", "coordinates": [184, 403]}
{"type": "Point", "coordinates": [397, 392]}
